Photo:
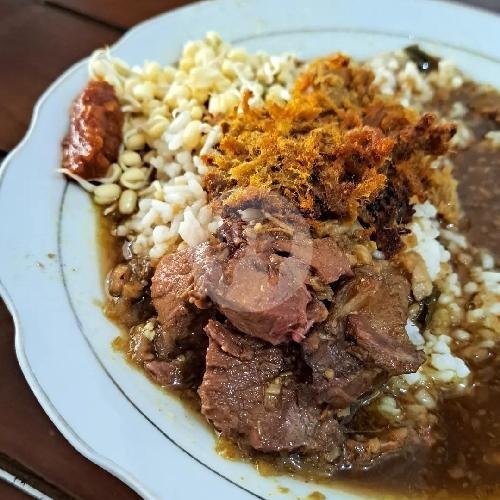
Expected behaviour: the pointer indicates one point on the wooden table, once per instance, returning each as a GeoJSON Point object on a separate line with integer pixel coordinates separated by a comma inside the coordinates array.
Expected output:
{"type": "Point", "coordinates": [38, 40]}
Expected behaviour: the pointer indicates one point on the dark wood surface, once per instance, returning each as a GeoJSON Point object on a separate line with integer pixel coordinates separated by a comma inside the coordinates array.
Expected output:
{"type": "Point", "coordinates": [38, 43]}
{"type": "Point", "coordinates": [8, 492]}
{"type": "Point", "coordinates": [38, 40]}
{"type": "Point", "coordinates": [120, 13]}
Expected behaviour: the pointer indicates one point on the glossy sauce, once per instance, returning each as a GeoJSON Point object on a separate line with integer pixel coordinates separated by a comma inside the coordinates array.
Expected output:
{"type": "Point", "coordinates": [477, 168]}
{"type": "Point", "coordinates": [95, 131]}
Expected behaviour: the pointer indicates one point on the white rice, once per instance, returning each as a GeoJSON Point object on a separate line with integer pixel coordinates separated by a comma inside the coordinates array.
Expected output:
{"type": "Point", "coordinates": [494, 137]}
{"type": "Point", "coordinates": [396, 75]}
{"type": "Point", "coordinates": [425, 227]}
{"type": "Point", "coordinates": [414, 334]}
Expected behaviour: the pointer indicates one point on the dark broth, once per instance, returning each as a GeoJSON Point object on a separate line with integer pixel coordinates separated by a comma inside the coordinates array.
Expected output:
{"type": "Point", "coordinates": [477, 167]}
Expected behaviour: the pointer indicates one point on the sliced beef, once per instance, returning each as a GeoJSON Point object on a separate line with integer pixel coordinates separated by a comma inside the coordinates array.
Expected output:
{"type": "Point", "coordinates": [323, 255]}
{"type": "Point", "coordinates": [262, 295]}
{"type": "Point", "coordinates": [179, 341]}
{"type": "Point", "coordinates": [182, 372]}
{"type": "Point", "coordinates": [339, 378]}
{"type": "Point", "coordinates": [376, 309]}
{"type": "Point", "coordinates": [95, 131]}
{"type": "Point", "coordinates": [363, 341]}
{"type": "Point", "coordinates": [262, 287]}
{"type": "Point", "coordinates": [250, 395]}
{"type": "Point", "coordinates": [176, 300]}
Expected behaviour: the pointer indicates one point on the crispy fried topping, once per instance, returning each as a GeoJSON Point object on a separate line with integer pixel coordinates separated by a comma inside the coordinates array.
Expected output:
{"type": "Point", "coordinates": [337, 149]}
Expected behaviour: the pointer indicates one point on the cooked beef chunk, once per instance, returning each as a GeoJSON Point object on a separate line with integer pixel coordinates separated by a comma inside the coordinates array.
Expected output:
{"type": "Point", "coordinates": [258, 275]}
{"type": "Point", "coordinates": [376, 305]}
{"type": "Point", "coordinates": [263, 292]}
{"type": "Point", "coordinates": [236, 345]}
{"type": "Point", "coordinates": [170, 288]}
{"type": "Point", "coordinates": [175, 297]}
{"type": "Point", "coordinates": [339, 378]}
{"type": "Point", "coordinates": [322, 254]}
{"type": "Point", "coordinates": [328, 261]}
{"type": "Point", "coordinates": [393, 355]}
{"type": "Point", "coordinates": [249, 394]}
{"type": "Point", "coordinates": [262, 295]}
{"type": "Point", "coordinates": [364, 340]}
{"type": "Point", "coordinates": [182, 372]}
{"type": "Point", "coordinates": [95, 132]}
{"type": "Point", "coordinates": [179, 341]}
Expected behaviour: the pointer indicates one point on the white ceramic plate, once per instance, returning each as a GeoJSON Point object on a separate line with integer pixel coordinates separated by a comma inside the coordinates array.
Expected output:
{"type": "Point", "coordinates": [49, 268]}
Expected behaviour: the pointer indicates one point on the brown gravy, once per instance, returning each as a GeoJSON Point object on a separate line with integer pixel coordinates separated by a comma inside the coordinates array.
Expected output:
{"type": "Point", "coordinates": [477, 168]}
{"type": "Point", "coordinates": [466, 461]}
